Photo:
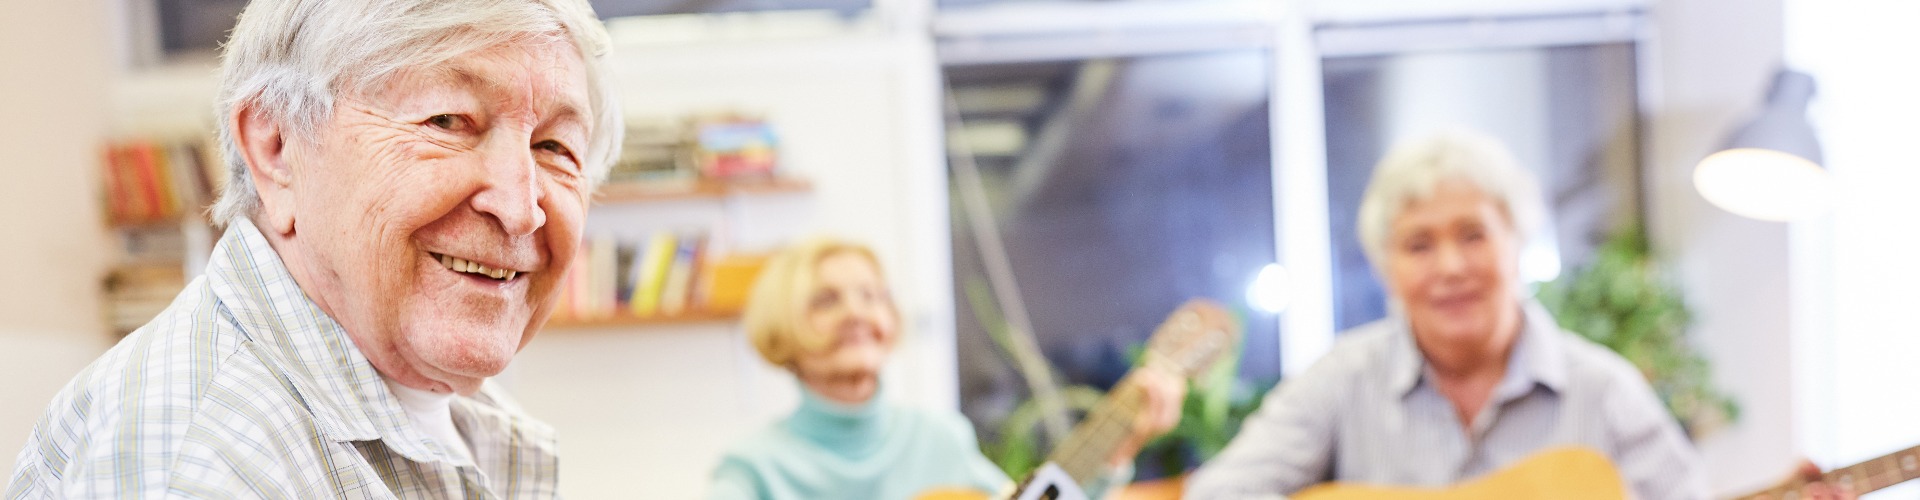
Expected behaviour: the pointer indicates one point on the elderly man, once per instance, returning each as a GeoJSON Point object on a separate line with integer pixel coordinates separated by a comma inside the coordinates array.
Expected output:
{"type": "Point", "coordinates": [409, 182]}
{"type": "Point", "coordinates": [1469, 374]}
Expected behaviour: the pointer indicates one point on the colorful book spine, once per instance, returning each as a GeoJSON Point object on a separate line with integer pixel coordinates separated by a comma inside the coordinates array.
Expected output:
{"type": "Point", "coordinates": [655, 263]}
{"type": "Point", "coordinates": [680, 275]}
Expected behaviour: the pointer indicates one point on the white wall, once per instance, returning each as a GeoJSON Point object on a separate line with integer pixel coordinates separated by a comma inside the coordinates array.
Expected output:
{"type": "Point", "coordinates": [1708, 65]}
{"type": "Point", "coordinates": [54, 74]}
{"type": "Point", "coordinates": [1858, 334]}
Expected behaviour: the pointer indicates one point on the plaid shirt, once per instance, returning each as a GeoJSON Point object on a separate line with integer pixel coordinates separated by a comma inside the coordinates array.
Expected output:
{"type": "Point", "coordinates": [243, 388]}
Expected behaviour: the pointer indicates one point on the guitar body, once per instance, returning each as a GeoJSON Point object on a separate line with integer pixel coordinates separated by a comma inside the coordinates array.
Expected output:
{"type": "Point", "coordinates": [954, 494]}
{"type": "Point", "coordinates": [1558, 474]}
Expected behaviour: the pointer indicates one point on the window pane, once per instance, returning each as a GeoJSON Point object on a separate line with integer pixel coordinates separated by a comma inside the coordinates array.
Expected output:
{"type": "Point", "coordinates": [1122, 188]}
{"type": "Point", "coordinates": [196, 25]}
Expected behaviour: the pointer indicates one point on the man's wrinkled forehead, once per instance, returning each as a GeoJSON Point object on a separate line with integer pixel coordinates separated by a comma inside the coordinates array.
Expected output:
{"type": "Point", "coordinates": [532, 75]}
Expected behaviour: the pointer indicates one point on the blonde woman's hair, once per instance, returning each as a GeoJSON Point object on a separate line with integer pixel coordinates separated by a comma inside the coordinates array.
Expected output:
{"type": "Point", "coordinates": [776, 315]}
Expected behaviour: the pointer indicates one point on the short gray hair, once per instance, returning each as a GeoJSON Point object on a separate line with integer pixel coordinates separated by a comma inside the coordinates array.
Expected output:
{"type": "Point", "coordinates": [1414, 169]}
{"type": "Point", "coordinates": [288, 60]}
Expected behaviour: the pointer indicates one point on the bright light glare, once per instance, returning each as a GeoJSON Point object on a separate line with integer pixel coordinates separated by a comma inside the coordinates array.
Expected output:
{"type": "Point", "coordinates": [1764, 184]}
{"type": "Point", "coordinates": [1269, 289]}
{"type": "Point", "coordinates": [1540, 260]}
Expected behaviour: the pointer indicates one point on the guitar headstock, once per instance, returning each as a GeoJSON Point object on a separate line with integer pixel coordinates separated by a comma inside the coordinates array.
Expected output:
{"type": "Point", "coordinates": [1193, 338]}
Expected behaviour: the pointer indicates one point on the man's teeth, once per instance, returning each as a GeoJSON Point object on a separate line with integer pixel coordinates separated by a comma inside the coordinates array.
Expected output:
{"type": "Point", "coordinates": [467, 266]}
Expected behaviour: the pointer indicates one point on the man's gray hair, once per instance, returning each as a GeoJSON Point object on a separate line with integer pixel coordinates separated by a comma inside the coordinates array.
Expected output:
{"type": "Point", "coordinates": [1414, 169]}
{"type": "Point", "coordinates": [289, 60]}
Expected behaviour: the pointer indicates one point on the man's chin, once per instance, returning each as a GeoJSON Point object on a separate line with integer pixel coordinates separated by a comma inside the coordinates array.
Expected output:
{"type": "Point", "coordinates": [467, 353]}
{"type": "Point", "coordinates": [1455, 329]}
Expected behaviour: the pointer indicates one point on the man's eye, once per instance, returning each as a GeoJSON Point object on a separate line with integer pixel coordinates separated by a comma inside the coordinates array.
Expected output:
{"type": "Point", "coordinates": [553, 147]}
{"type": "Point", "coordinates": [558, 150]}
{"type": "Point", "coordinates": [447, 122]}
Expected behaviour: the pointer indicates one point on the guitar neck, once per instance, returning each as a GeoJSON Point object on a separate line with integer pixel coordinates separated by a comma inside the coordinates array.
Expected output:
{"type": "Point", "coordinates": [1085, 452]}
{"type": "Point", "coordinates": [1193, 339]}
{"type": "Point", "coordinates": [1872, 475]}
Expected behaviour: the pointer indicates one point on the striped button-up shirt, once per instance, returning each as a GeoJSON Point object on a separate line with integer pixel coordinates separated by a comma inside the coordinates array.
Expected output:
{"type": "Point", "coordinates": [1369, 413]}
{"type": "Point", "coordinates": [243, 388]}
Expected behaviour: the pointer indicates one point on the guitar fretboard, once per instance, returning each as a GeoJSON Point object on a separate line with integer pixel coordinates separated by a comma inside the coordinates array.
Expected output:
{"type": "Point", "coordinates": [1085, 452]}
{"type": "Point", "coordinates": [1887, 470]}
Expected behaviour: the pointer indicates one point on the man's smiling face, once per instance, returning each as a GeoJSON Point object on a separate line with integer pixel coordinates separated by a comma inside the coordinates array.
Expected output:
{"type": "Point", "coordinates": [435, 215]}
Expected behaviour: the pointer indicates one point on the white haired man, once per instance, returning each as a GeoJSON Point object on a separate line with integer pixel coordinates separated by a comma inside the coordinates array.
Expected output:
{"type": "Point", "coordinates": [409, 178]}
{"type": "Point", "coordinates": [1468, 374]}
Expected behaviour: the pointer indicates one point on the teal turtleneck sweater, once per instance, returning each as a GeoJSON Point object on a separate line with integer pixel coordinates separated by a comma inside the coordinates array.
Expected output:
{"type": "Point", "coordinates": [871, 451]}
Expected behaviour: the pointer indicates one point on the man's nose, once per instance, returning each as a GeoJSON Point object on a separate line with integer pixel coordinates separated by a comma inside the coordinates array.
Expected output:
{"type": "Point", "coordinates": [510, 192]}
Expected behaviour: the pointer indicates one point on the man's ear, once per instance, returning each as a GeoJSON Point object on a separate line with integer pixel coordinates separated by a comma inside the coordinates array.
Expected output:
{"type": "Point", "coordinates": [263, 145]}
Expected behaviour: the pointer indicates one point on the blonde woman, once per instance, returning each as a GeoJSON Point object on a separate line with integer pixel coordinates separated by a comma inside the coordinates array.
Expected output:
{"type": "Point", "coordinates": [822, 310]}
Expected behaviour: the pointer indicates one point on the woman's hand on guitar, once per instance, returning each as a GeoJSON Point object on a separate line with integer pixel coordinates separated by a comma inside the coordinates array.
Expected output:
{"type": "Point", "coordinates": [1161, 396]}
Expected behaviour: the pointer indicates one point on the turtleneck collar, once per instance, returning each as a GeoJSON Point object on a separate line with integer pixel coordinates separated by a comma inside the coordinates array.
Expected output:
{"type": "Point", "coordinates": [850, 430]}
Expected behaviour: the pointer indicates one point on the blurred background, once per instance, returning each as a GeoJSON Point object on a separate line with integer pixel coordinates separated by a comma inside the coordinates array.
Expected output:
{"type": "Point", "coordinates": [1076, 169]}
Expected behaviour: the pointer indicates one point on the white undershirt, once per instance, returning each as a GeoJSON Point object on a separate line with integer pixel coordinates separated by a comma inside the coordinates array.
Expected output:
{"type": "Point", "coordinates": [432, 413]}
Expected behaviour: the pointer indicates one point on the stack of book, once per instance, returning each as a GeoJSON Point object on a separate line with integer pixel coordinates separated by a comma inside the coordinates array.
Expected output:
{"type": "Point", "coordinates": [150, 181]}
{"type": "Point", "coordinates": [137, 293]}
{"type": "Point", "coordinates": [667, 275]}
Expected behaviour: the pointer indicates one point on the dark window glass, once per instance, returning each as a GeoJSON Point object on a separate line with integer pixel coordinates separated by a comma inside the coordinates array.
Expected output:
{"type": "Point", "coordinates": [200, 25]}
{"type": "Point", "coordinates": [1122, 187]}
{"type": "Point", "coordinates": [196, 25]}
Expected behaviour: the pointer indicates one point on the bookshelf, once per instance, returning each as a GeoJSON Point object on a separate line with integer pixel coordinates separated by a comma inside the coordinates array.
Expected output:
{"type": "Point", "coordinates": [644, 192]}
{"type": "Point", "coordinates": [697, 276]}
{"type": "Point", "coordinates": [154, 189]}
{"type": "Point", "coordinates": [626, 320]}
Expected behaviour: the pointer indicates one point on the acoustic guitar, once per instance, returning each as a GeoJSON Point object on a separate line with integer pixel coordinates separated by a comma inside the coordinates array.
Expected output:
{"type": "Point", "coordinates": [1583, 474]}
{"type": "Point", "coordinates": [1570, 473]}
{"type": "Point", "coordinates": [1864, 477]}
{"type": "Point", "coordinates": [1191, 340]}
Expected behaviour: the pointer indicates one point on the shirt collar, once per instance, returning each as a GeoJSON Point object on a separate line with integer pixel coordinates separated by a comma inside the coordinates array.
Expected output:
{"type": "Point", "coordinates": [1536, 355]}
{"type": "Point", "coordinates": [308, 349]}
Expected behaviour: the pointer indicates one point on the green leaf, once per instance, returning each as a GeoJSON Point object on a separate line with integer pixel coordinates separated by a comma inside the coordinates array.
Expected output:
{"type": "Point", "coordinates": [1622, 301]}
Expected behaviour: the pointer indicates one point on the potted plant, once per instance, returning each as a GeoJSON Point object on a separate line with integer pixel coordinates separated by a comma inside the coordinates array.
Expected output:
{"type": "Point", "coordinates": [1621, 300]}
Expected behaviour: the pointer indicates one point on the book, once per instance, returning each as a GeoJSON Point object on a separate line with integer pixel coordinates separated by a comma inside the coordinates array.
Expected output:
{"type": "Point", "coordinates": [654, 263]}
{"type": "Point", "coordinates": [147, 177]}
{"type": "Point", "coordinates": [136, 293]}
{"type": "Point", "coordinates": [679, 279]}
{"type": "Point", "coordinates": [148, 181]}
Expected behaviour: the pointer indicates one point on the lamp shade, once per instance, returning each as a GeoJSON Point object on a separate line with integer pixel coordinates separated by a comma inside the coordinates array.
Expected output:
{"type": "Point", "coordinates": [1770, 168]}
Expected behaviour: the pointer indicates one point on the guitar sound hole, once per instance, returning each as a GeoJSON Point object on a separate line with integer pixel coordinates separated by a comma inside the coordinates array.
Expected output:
{"type": "Point", "coordinates": [1053, 493]}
